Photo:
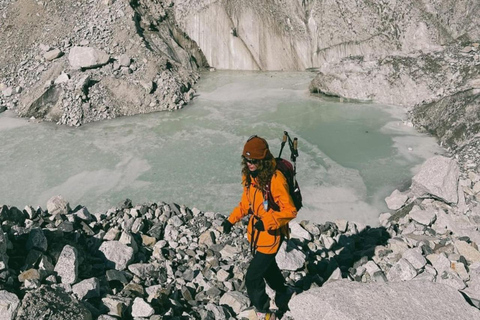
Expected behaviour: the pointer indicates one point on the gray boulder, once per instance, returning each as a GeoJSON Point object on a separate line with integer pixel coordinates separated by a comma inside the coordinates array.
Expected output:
{"type": "Point", "coordinates": [415, 257]}
{"type": "Point", "coordinates": [83, 214]}
{"type": "Point", "coordinates": [207, 238]}
{"type": "Point", "coordinates": [145, 270]}
{"type": "Point", "coordinates": [346, 300]}
{"type": "Point", "coordinates": [289, 257]}
{"type": "Point", "coordinates": [396, 200]}
{"type": "Point", "coordinates": [117, 254]}
{"type": "Point", "coordinates": [298, 232]}
{"type": "Point", "coordinates": [116, 306]}
{"type": "Point", "coordinates": [9, 303]}
{"type": "Point", "coordinates": [87, 57]}
{"type": "Point", "coordinates": [58, 205]}
{"type": "Point", "coordinates": [425, 217]}
{"type": "Point", "coordinates": [67, 265]}
{"type": "Point", "coordinates": [437, 178]}
{"type": "Point", "coordinates": [52, 303]}
{"type": "Point", "coordinates": [124, 60]}
{"type": "Point", "coordinates": [141, 309]}
{"type": "Point", "coordinates": [468, 251]}
{"type": "Point", "coordinates": [37, 240]}
{"type": "Point", "coordinates": [236, 300]}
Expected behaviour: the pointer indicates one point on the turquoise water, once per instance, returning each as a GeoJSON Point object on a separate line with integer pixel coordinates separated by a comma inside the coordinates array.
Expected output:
{"type": "Point", "coordinates": [352, 155]}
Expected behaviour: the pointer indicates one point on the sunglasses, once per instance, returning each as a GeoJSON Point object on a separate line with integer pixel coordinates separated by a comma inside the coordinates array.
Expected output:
{"type": "Point", "coordinates": [251, 161]}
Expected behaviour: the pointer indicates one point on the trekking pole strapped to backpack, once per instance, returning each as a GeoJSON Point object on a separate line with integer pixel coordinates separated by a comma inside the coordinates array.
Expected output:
{"type": "Point", "coordinates": [284, 140]}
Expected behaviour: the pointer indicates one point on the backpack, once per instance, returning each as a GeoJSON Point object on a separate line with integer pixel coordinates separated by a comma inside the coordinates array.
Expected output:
{"type": "Point", "coordinates": [289, 171]}
{"type": "Point", "coordinates": [286, 167]}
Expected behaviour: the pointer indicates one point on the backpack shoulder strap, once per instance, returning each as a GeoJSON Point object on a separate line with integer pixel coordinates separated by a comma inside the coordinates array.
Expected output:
{"type": "Point", "coordinates": [271, 202]}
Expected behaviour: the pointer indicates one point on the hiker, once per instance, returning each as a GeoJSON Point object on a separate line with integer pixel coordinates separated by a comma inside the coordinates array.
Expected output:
{"type": "Point", "coordinates": [266, 227]}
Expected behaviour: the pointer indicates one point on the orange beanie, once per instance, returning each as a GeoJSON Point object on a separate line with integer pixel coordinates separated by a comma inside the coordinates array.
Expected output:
{"type": "Point", "coordinates": [256, 148]}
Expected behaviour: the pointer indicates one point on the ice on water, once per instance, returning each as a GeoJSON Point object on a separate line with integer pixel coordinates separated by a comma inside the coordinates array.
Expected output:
{"type": "Point", "coordinates": [352, 155]}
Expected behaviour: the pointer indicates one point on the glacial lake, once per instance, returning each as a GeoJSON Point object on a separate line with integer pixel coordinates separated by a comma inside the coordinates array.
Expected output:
{"type": "Point", "coordinates": [351, 154]}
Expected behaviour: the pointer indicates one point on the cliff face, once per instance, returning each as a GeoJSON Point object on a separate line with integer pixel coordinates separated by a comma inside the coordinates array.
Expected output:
{"type": "Point", "coordinates": [301, 34]}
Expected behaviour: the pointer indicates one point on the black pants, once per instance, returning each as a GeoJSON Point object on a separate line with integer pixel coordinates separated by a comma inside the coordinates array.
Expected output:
{"type": "Point", "coordinates": [263, 268]}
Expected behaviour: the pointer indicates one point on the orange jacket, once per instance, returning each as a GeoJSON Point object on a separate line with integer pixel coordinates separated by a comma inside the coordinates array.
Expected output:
{"type": "Point", "coordinates": [275, 222]}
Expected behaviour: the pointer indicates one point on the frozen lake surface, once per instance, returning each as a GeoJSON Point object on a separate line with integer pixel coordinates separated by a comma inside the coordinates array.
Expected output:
{"type": "Point", "coordinates": [352, 155]}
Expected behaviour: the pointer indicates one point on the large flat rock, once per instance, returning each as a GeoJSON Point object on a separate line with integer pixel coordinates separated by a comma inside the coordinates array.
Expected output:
{"type": "Point", "coordinates": [346, 300]}
{"type": "Point", "coordinates": [438, 177]}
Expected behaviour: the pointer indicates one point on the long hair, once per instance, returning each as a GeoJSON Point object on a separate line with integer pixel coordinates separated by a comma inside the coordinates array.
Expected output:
{"type": "Point", "coordinates": [265, 169]}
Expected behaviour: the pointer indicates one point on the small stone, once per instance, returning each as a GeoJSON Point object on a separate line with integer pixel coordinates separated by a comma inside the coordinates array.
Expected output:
{"type": "Point", "coordinates": [83, 214]}
{"type": "Point", "coordinates": [62, 78]}
{"type": "Point", "coordinates": [148, 241]}
{"type": "Point", "coordinates": [401, 271]}
{"type": "Point", "coordinates": [328, 242]}
{"type": "Point", "coordinates": [141, 309]}
{"type": "Point", "coordinates": [124, 60]}
{"type": "Point", "coordinates": [425, 217]}
{"type": "Point", "coordinates": [207, 238]}
{"type": "Point", "coordinates": [440, 262]}
{"type": "Point", "coordinates": [87, 57]}
{"type": "Point", "coordinates": [383, 218]}
{"type": "Point", "coordinates": [116, 305]}
{"type": "Point", "coordinates": [44, 47]}
{"type": "Point", "coordinates": [416, 259]}
{"type": "Point", "coordinates": [148, 86]}
{"type": "Point", "coordinates": [223, 275]}
{"type": "Point", "coordinates": [7, 92]}
{"type": "Point", "coordinates": [229, 251]}
{"type": "Point", "coordinates": [298, 232]}
{"type": "Point", "coordinates": [471, 254]}
{"type": "Point", "coordinates": [115, 275]}
{"type": "Point", "coordinates": [52, 54]}
{"type": "Point", "coordinates": [86, 289]}
{"type": "Point", "coordinates": [476, 188]}
{"type": "Point", "coordinates": [460, 269]}
{"type": "Point", "coordinates": [235, 300]}
{"type": "Point", "coordinates": [396, 200]}
{"type": "Point", "coordinates": [112, 234]}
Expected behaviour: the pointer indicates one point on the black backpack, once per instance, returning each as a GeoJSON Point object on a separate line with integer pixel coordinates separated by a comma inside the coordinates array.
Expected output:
{"type": "Point", "coordinates": [289, 171]}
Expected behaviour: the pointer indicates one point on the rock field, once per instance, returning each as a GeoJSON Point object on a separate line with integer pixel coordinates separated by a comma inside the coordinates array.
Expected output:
{"type": "Point", "coordinates": [165, 261]}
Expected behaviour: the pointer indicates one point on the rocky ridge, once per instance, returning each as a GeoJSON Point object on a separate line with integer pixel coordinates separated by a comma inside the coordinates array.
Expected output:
{"type": "Point", "coordinates": [94, 60]}
{"type": "Point", "coordinates": [165, 261]}
{"type": "Point", "coordinates": [439, 89]}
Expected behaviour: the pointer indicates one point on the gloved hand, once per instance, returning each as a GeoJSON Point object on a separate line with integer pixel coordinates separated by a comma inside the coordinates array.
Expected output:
{"type": "Point", "coordinates": [227, 226]}
{"type": "Point", "coordinates": [259, 225]}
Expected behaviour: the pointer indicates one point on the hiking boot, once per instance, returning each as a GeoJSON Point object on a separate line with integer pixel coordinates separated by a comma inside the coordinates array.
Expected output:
{"type": "Point", "coordinates": [266, 316]}
{"type": "Point", "coordinates": [282, 298]}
